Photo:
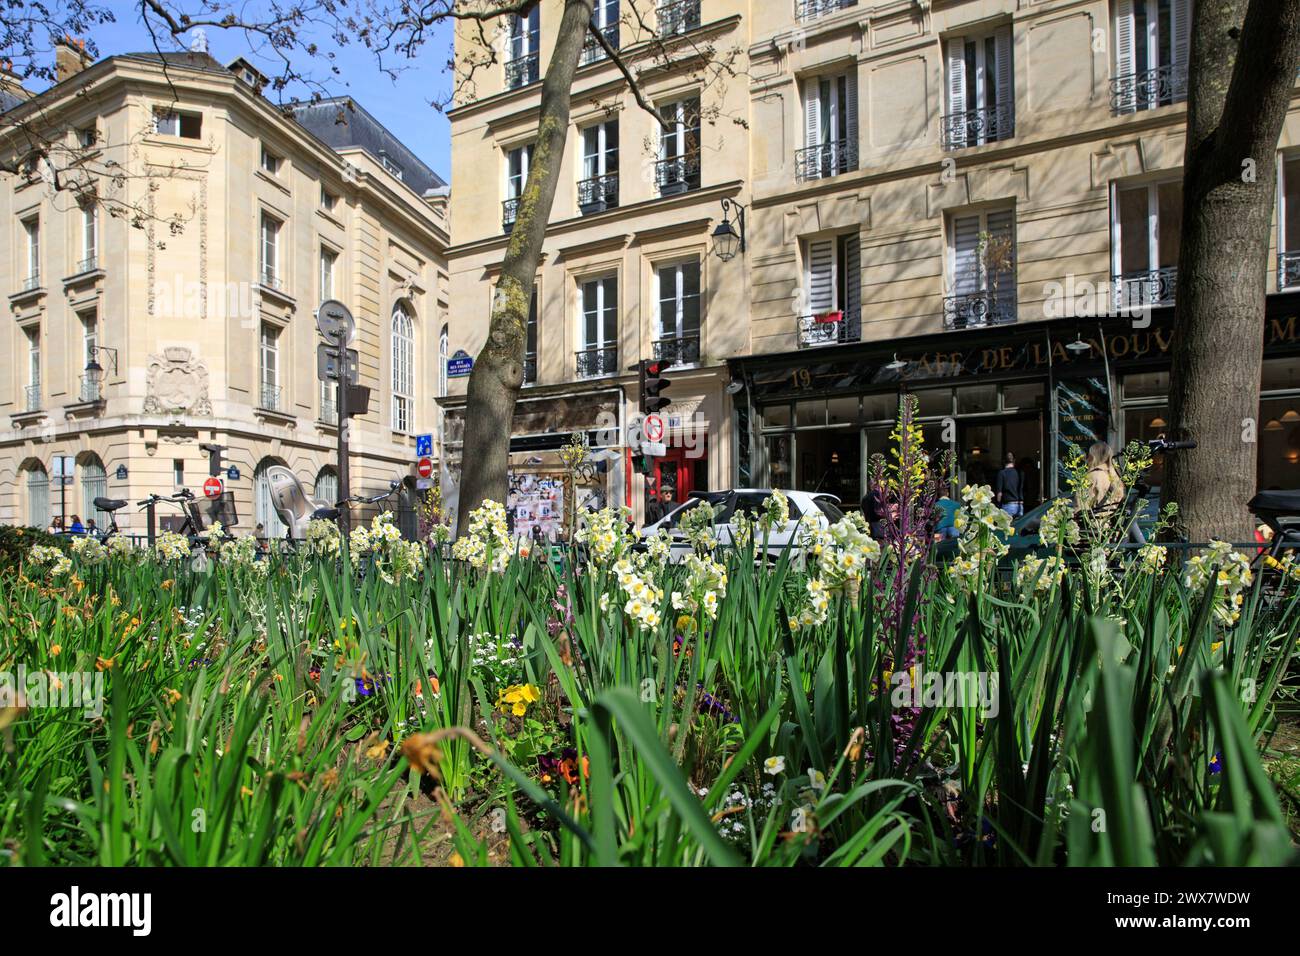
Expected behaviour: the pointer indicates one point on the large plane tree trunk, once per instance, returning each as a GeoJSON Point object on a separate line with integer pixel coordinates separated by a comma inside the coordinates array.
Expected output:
{"type": "Point", "coordinates": [499, 367]}
{"type": "Point", "coordinates": [1244, 55]}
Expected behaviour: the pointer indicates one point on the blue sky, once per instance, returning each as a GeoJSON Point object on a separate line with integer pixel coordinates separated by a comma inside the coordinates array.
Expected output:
{"type": "Point", "coordinates": [402, 106]}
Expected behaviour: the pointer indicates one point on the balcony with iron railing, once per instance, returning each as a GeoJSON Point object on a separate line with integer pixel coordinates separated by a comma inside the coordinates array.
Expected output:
{"type": "Point", "coordinates": [521, 71]}
{"type": "Point", "coordinates": [809, 10]}
{"type": "Point", "coordinates": [1288, 270]}
{"type": "Point", "coordinates": [88, 264]}
{"type": "Point", "coordinates": [329, 410]}
{"type": "Point", "coordinates": [92, 390]}
{"type": "Point", "coordinates": [834, 327]}
{"type": "Point", "coordinates": [678, 349]}
{"type": "Point", "coordinates": [826, 159]}
{"type": "Point", "coordinates": [270, 397]}
{"type": "Point", "coordinates": [32, 397]}
{"type": "Point", "coordinates": [32, 282]}
{"type": "Point", "coordinates": [509, 212]}
{"type": "Point", "coordinates": [270, 278]}
{"type": "Point", "coordinates": [598, 193]}
{"type": "Point", "coordinates": [591, 48]}
{"type": "Point", "coordinates": [1163, 86]}
{"type": "Point", "coordinates": [979, 309]}
{"type": "Point", "coordinates": [593, 362]}
{"type": "Point", "coordinates": [977, 127]}
{"type": "Point", "coordinates": [678, 174]}
{"type": "Point", "coordinates": [678, 16]}
{"type": "Point", "coordinates": [1135, 291]}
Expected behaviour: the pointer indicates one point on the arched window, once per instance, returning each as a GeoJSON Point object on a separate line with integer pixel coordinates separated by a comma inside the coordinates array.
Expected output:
{"type": "Point", "coordinates": [403, 367]}
{"type": "Point", "coordinates": [38, 497]}
{"type": "Point", "coordinates": [264, 512]}
{"type": "Point", "coordinates": [94, 484]}
{"type": "Point", "coordinates": [327, 487]}
{"type": "Point", "coordinates": [444, 346]}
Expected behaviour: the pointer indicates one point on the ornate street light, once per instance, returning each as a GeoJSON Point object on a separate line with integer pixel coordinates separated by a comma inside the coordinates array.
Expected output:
{"type": "Point", "coordinates": [727, 241]}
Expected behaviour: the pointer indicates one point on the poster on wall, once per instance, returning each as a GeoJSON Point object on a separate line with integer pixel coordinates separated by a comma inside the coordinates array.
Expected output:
{"type": "Point", "coordinates": [1082, 418]}
{"type": "Point", "coordinates": [536, 505]}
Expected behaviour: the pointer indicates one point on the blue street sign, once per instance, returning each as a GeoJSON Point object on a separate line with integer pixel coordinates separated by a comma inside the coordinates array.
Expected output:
{"type": "Point", "coordinates": [232, 473]}
{"type": "Point", "coordinates": [121, 472]}
{"type": "Point", "coordinates": [460, 364]}
{"type": "Point", "coordinates": [423, 446]}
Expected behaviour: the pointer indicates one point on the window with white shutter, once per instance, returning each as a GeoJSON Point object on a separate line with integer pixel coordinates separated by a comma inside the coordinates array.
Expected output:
{"type": "Point", "coordinates": [1152, 40]}
{"type": "Point", "coordinates": [1146, 223]}
{"type": "Point", "coordinates": [833, 283]}
{"type": "Point", "coordinates": [678, 168]}
{"type": "Point", "coordinates": [830, 127]}
{"type": "Point", "coordinates": [982, 269]}
{"type": "Point", "coordinates": [980, 89]}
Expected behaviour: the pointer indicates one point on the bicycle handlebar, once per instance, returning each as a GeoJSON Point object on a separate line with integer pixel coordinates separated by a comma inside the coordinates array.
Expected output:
{"type": "Point", "coordinates": [1164, 444]}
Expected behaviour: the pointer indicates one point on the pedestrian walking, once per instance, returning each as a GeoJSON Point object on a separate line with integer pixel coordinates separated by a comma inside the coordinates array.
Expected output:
{"type": "Point", "coordinates": [1008, 488]}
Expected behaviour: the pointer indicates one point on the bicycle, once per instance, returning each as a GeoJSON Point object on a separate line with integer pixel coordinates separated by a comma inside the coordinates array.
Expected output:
{"type": "Point", "coordinates": [335, 512]}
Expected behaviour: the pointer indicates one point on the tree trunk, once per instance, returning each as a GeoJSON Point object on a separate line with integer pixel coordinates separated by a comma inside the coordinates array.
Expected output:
{"type": "Point", "coordinates": [499, 368]}
{"type": "Point", "coordinates": [1244, 55]}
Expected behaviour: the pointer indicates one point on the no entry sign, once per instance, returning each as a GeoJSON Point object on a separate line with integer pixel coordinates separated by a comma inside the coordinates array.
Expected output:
{"type": "Point", "coordinates": [653, 428]}
{"type": "Point", "coordinates": [424, 468]}
{"type": "Point", "coordinates": [212, 487]}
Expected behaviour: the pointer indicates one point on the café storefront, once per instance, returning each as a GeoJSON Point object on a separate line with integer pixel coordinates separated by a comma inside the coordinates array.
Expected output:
{"type": "Point", "coordinates": [814, 417]}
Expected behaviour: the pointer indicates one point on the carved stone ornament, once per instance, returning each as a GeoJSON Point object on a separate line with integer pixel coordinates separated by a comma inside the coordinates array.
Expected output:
{"type": "Point", "coordinates": [176, 382]}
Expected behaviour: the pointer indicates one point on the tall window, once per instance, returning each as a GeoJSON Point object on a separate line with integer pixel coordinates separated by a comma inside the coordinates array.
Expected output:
{"type": "Point", "coordinates": [444, 353]}
{"type": "Point", "coordinates": [270, 362]}
{"type": "Point", "coordinates": [1152, 39]}
{"type": "Point", "coordinates": [982, 269]}
{"type": "Point", "coordinates": [403, 367]}
{"type": "Point", "coordinates": [89, 237]}
{"type": "Point", "coordinates": [981, 90]}
{"type": "Point", "coordinates": [517, 163]}
{"type": "Point", "coordinates": [38, 497]}
{"type": "Point", "coordinates": [270, 162]}
{"type": "Point", "coordinates": [677, 16]}
{"type": "Point", "coordinates": [328, 259]}
{"type": "Point", "coordinates": [530, 340]}
{"type": "Point", "coordinates": [830, 127]}
{"type": "Point", "coordinates": [1288, 222]}
{"type": "Point", "coordinates": [264, 512]}
{"type": "Point", "coordinates": [599, 332]}
{"type": "Point", "coordinates": [598, 188]}
{"type": "Point", "coordinates": [327, 487]}
{"type": "Point", "coordinates": [1146, 222]}
{"type": "Point", "coordinates": [32, 234]}
{"type": "Point", "coordinates": [33, 369]}
{"type": "Point", "coordinates": [270, 250]}
{"type": "Point", "coordinates": [679, 147]}
{"type": "Point", "coordinates": [679, 312]}
{"type": "Point", "coordinates": [89, 341]}
{"type": "Point", "coordinates": [604, 18]}
{"type": "Point", "coordinates": [525, 34]}
{"type": "Point", "coordinates": [833, 280]}
{"type": "Point", "coordinates": [94, 484]}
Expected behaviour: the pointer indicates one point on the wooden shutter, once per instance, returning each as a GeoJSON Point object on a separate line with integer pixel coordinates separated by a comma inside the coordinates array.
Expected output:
{"type": "Point", "coordinates": [1006, 74]}
{"type": "Point", "coordinates": [1180, 28]}
{"type": "Point", "coordinates": [956, 89]}
{"type": "Point", "coordinates": [852, 274]}
{"type": "Point", "coordinates": [821, 276]}
{"type": "Point", "coordinates": [812, 112]}
{"type": "Point", "coordinates": [851, 118]}
{"type": "Point", "coordinates": [965, 259]}
{"type": "Point", "coordinates": [1125, 40]}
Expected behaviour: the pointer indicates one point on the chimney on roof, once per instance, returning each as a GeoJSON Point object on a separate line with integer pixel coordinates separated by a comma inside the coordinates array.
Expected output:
{"type": "Point", "coordinates": [198, 40]}
{"type": "Point", "coordinates": [70, 58]}
{"type": "Point", "coordinates": [11, 82]}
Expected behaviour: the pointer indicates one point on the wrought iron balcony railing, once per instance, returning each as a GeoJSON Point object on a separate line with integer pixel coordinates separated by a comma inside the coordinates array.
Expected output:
{"type": "Point", "coordinates": [1135, 291]}
{"type": "Point", "coordinates": [977, 310]}
{"type": "Point", "coordinates": [1147, 90]}
{"type": "Point", "coordinates": [91, 389]}
{"type": "Point", "coordinates": [679, 349]}
{"type": "Point", "coordinates": [270, 397]}
{"type": "Point", "coordinates": [826, 159]}
{"type": "Point", "coordinates": [976, 127]}
{"type": "Point", "coordinates": [598, 193]}
{"type": "Point", "coordinates": [88, 264]}
{"type": "Point", "coordinates": [32, 282]}
{"type": "Point", "coordinates": [677, 174]}
{"type": "Point", "coordinates": [678, 16]}
{"type": "Point", "coordinates": [1288, 270]}
{"type": "Point", "coordinates": [270, 278]}
{"type": "Point", "coordinates": [530, 368]}
{"type": "Point", "coordinates": [521, 71]}
{"type": "Point", "coordinates": [809, 10]}
{"type": "Point", "coordinates": [834, 327]}
{"type": "Point", "coordinates": [597, 361]}
{"type": "Point", "coordinates": [593, 51]}
{"type": "Point", "coordinates": [32, 394]}
{"type": "Point", "coordinates": [329, 410]}
{"type": "Point", "coordinates": [509, 210]}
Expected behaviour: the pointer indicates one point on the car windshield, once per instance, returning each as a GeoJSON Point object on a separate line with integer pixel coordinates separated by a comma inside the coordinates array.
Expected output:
{"type": "Point", "coordinates": [830, 509]}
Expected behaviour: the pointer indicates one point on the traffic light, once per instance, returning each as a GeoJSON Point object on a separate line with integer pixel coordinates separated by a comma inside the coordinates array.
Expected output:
{"type": "Point", "coordinates": [653, 384]}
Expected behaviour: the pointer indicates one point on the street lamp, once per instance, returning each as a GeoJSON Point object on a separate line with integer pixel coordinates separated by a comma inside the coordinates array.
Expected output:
{"type": "Point", "coordinates": [92, 365]}
{"type": "Point", "coordinates": [726, 240]}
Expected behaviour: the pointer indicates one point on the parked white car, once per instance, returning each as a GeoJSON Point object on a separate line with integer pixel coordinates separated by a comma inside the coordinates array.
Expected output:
{"type": "Point", "coordinates": [825, 509]}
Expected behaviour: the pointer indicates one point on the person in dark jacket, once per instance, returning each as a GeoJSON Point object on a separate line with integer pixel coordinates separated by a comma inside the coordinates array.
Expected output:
{"type": "Point", "coordinates": [1008, 488]}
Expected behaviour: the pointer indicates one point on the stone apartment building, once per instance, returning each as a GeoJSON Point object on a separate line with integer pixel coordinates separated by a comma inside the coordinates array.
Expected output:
{"type": "Point", "coordinates": [973, 201]}
{"type": "Point", "coordinates": [178, 309]}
